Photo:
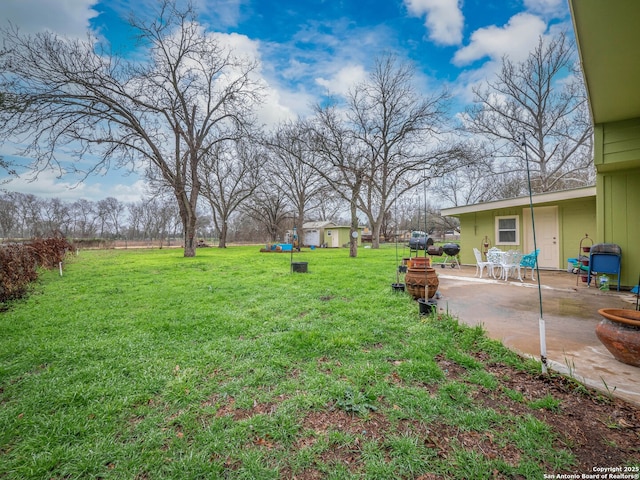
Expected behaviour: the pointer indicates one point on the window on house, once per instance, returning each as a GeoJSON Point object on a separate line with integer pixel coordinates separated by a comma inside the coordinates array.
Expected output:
{"type": "Point", "coordinates": [507, 231]}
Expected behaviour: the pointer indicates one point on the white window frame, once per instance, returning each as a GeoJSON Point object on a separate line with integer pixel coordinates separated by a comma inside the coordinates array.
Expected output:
{"type": "Point", "coordinates": [517, 229]}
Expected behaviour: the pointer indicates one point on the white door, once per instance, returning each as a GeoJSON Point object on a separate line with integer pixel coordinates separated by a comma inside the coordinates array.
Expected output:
{"type": "Point", "coordinates": [312, 237]}
{"type": "Point", "coordinates": [335, 238]}
{"type": "Point", "coordinates": [546, 222]}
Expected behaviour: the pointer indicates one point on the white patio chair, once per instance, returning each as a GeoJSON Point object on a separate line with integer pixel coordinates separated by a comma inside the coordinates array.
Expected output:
{"type": "Point", "coordinates": [511, 264]}
{"type": "Point", "coordinates": [480, 264]}
{"type": "Point", "coordinates": [495, 258]}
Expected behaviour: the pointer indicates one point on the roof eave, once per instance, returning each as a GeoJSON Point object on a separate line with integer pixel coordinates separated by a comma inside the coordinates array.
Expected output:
{"type": "Point", "coordinates": [549, 197]}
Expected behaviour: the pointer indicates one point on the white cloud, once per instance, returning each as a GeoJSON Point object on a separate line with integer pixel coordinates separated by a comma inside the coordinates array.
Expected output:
{"type": "Point", "coordinates": [48, 185]}
{"type": "Point", "coordinates": [226, 12]}
{"type": "Point", "coordinates": [515, 39]}
{"type": "Point", "coordinates": [444, 19]}
{"type": "Point", "coordinates": [65, 17]}
{"type": "Point", "coordinates": [127, 192]}
{"type": "Point", "coordinates": [344, 79]}
{"type": "Point", "coordinates": [273, 111]}
{"type": "Point", "coordinates": [54, 183]}
{"type": "Point", "coordinates": [547, 8]}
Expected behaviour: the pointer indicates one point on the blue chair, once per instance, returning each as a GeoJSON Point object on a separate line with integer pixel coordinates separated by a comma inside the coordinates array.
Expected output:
{"type": "Point", "coordinates": [529, 261]}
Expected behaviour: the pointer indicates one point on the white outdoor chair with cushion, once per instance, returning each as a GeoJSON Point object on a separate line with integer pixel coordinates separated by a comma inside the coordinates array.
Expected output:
{"type": "Point", "coordinates": [494, 257]}
{"type": "Point", "coordinates": [511, 264]}
{"type": "Point", "coordinates": [480, 264]}
{"type": "Point", "coordinates": [529, 261]}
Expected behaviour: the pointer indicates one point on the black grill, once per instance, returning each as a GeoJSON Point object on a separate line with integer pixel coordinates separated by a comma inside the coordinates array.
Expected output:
{"type": "Point", "coordinates": [451, 249]}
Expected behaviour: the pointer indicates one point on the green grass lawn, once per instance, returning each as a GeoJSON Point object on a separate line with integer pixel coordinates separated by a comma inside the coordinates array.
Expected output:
{"type": "Point", "coordinates": [142, 364]}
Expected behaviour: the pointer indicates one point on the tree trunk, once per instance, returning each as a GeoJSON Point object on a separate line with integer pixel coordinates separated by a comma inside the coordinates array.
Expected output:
{"type": "Point", "coordinates": [375, 235]}
{"type": "Point", "coordinates": [353, 240]}
{"type": "Point", "coordinates": [222, 242]}
{"type": "Point", "coordinates": [189, 225]}
{"type": "Point", "coordinates": [299, 231]}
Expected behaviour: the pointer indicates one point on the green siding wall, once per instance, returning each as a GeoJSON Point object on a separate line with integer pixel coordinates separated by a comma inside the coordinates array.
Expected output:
{"type": "Point", "coordinates": [575, 219]}
{"type": "Point", "coordinates": [617, 145]}
{"type": "Point", "coordinates": [343, 236]}
{"type": "Point", "coordinates": [619, 218]}
{"type": "Point", "coordinates": [475, 226]}
{"type": "Point", "coordinates": [617, 161]}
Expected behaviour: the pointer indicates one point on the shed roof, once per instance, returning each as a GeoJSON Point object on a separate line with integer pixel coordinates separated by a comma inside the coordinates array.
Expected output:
{"type": "Point", "coordinates": [321, 224]}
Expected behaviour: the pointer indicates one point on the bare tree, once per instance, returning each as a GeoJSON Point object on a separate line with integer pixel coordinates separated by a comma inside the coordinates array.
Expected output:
{"type": "Point", "coordinates": [537, 102]}
{"type": "Point", "coordinates": [270, 208]}
{"type": "Point", "coordinates": [28, 214]}
{"type": "Point", "coordinates": [402, 134]}
{"type": "Point", "coordinates": [84, 216]}
{"type": "Point", "coordinates": [135, 211]}
{"type": "Point", "coordinates": [110, 212]}
{"type": "Point", "coordinates": [230, 175]}
{"type": "Point", "coordinates": [329, 207]}
{"type": "Point", "coordinates": [8, 215]}
{"type": "Point", "coordinates": [56, 217]}
{"type": "Point", "coordinates": [169, 112]}
{"type": "Point", "coordinates": [291, 168]}
{"type": "Point", "coordinates": [341, 160]}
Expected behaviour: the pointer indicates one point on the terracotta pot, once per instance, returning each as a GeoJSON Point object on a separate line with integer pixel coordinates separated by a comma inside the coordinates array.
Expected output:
{"type": "Point", "coordinates": [416, 279]}
{"type": "Point", "coordinates": [619, 332]}
{"type": "Point", "coordinates": [621, 315]}
{"type": "Point", "coordinates": [419, 262]}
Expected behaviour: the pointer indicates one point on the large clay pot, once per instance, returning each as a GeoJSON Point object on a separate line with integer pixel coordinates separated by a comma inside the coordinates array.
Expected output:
{"type": "Point", "coordinates": [619, 332]}
{"type": "Point", "coordinates": [416, 279]}
{"type": "Point", "coordinates": [419, 262]}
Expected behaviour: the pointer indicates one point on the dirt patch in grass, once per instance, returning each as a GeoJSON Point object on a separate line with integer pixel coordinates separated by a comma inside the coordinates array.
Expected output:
{"type": "Point", "coordinates": [599, 430]}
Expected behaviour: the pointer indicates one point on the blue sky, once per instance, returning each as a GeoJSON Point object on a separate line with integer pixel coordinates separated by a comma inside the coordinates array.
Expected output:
{"type": "Point", "coordinates": [309, 48]}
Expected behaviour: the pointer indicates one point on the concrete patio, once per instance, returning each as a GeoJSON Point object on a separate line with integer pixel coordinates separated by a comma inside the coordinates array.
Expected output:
{"type": "Point", "coordinates": [510, 312]}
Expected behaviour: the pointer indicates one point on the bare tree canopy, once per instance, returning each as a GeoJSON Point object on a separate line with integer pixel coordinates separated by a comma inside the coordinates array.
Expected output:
{"type": "Point", "coordinates": [290, 170]}
{"type": "Point", "coordinates": [540, 101]}
{"type": "Point", "coordinates": [67, 98]}
{"type": "Point", "coordinates": [230, 174]}
{"type": "Point", "coordinates": [340, 159]}
{"type": "Point", "coordinates": [402, 133]}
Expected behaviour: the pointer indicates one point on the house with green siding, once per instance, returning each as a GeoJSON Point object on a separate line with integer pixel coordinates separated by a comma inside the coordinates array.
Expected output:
{"type": "Point", "coordinates": [338, 236]}
{"type": "Point", "coordinates": [562, 219]}
{"type": "Point", "coordinates": [607, 39]}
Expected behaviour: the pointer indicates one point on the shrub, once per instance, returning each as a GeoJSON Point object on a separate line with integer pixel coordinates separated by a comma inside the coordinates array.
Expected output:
{"type": "Point", "coordinates": [19, 264]}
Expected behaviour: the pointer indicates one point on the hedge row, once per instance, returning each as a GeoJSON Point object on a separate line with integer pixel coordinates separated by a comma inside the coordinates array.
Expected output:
{"type": "Point", "coordinates": [19, 264]}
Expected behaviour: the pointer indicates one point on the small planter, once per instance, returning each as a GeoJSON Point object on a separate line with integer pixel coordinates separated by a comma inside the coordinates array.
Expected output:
{"type": "Point", "coordinates": [619, 332]}
{"type": "Point", "coordinates": [299, 267]}
{"type": "Point", "coordinates": [427, 306]}
{"type": "Point", "coordinates": [419, 262]}
{"type": "Point", "coordinates": [397, 287]}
